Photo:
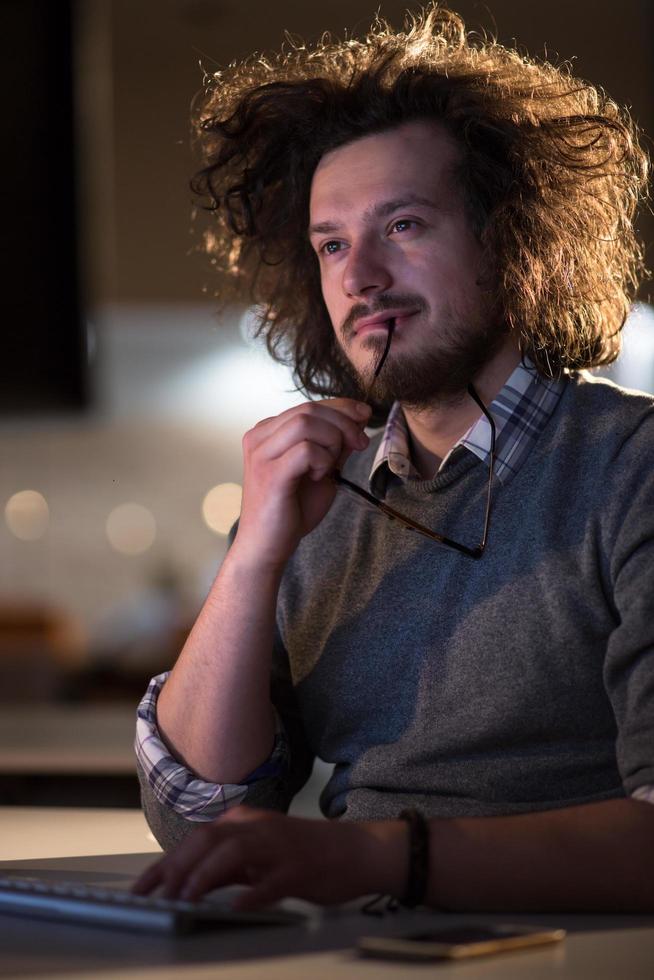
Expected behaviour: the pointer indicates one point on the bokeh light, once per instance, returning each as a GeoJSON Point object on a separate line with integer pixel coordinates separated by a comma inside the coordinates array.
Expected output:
{"type": "Point", "coordinates": [131, 529]}
{"type": "Point", "coordinates": [27, 515]}
{"type": "Point", "coordinates": [221, 507]}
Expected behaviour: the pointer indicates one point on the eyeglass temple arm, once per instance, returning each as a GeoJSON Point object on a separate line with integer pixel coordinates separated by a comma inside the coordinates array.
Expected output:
{"type": "Point", "coordinates": [491, 421]}
{"type": "Point", "coordinates": [407, 522]}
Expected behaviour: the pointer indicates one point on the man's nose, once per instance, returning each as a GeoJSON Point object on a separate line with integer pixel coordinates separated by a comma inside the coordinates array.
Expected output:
{"type": "Point", "coordinates": [366, 270]}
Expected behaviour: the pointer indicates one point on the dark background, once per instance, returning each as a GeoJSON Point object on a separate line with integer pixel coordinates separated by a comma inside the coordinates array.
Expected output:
{"type": "Point", "coordinates": [42, 364]}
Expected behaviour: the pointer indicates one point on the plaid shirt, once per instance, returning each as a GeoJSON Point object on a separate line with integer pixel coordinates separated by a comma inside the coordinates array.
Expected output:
{"type": "Point", "coordinates": [520, 412]}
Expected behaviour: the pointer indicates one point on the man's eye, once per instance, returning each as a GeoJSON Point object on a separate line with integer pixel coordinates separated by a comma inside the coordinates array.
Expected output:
{"type": "Point", "coordinates": [403, 224]}
{"type": "Point", "coordinates": [329, 248]}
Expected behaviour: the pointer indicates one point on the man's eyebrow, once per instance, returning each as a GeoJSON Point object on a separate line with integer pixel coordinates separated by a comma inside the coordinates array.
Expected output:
{"type": "Point", "coordinates": [388, 207]}
{"type": "Point", "coordinates": [381, 210]}
{"type": "Point", "coordinates": [324, 228]}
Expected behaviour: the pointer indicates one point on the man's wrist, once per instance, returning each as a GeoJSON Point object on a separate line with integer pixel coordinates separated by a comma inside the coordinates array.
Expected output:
{"type": "Point", "coordinates": [243, 566]}
{"type": "Point", "coordinates": [388, 857]}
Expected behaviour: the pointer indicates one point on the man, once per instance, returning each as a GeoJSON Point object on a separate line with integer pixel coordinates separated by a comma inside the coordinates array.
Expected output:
{"type": "Point", "coordinates": [437, 225]}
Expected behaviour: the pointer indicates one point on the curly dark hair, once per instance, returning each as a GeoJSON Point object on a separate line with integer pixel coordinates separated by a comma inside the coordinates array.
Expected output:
{"type": "Point", "coordinates": [551, 169]}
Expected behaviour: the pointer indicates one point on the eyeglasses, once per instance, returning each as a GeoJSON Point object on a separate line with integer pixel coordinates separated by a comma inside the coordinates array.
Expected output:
{"type": "Point", "coordinates": [412, 525]}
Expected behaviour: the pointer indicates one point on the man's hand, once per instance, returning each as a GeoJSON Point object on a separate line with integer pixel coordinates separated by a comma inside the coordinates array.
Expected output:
{"type": "Point", "coordinates": [318, 860]}
{"type": "Point", "coordinates": [287, 488]}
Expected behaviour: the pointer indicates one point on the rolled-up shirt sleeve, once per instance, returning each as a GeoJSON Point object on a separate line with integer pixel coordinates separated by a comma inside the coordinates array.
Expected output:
{"type": "Point", "coordinates": [175, 786]}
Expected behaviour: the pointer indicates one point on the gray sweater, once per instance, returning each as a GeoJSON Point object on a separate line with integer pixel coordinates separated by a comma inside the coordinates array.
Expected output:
{"type": "Point", "coordinates": [522, 681]}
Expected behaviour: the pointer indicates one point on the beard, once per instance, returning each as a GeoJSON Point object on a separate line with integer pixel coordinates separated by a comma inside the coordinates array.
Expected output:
{"type": "Point", "coordinates": [440, 370]}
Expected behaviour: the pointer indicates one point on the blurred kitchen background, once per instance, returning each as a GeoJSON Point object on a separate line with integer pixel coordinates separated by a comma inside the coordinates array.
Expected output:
{"type": "Point", "coordinates": [124, 396]}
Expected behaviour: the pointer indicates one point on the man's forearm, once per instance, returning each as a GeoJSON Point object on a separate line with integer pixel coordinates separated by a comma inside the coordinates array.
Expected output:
{"type": "Point", "coordinates": [597, 857]}
{"type": "Point", "coordinates": [214, 710]}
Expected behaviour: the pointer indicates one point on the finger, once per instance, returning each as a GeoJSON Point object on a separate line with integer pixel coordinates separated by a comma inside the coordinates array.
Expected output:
{"type": "Point", "coordinates": [307, 459]}
{"type": "Point", "coordinates": [350, 406]}
{"type": "Point", "coordinates": [149, 880]}
{"type": "Point", "coordinates": [336, 410]}
{"type": "Point", "coordinates": [358, 411]}
{"type": "Point", "coordinates": [329, 429]}
{"type": "Point", "coordinates": [173, 869]}
{"type": "Point", "coordinates": [228, 863]}
{"type": "Point", "coordinates": [335, 438]}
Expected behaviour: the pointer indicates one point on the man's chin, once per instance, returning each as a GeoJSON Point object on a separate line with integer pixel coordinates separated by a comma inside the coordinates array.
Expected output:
{"type": "Point", "coordinates": [444, 396]}
{"type": "Point", "coordinates": [426, 378]}
{"type": "Point", "coordinates": [418, 390]}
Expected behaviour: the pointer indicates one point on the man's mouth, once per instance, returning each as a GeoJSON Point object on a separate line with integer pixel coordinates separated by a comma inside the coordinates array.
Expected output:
{"type": "Point", "coordinates": [380, 321]}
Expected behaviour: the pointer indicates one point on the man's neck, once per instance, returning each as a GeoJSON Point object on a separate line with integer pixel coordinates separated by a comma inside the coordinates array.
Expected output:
{"type": "Point", "coordinates": [436, 429]}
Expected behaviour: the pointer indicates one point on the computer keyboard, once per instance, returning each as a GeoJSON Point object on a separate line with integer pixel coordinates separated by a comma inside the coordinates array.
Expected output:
{"type": "Point", "coordinates": [83, 904]}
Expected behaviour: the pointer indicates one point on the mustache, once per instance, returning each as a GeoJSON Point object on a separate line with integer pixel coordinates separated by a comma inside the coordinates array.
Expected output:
{"type": "Point", "coordinates": [387, 301]}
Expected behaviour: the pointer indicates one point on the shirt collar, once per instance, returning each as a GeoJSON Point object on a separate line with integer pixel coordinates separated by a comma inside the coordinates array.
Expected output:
{"type": "Point", "coordinates": [520, 412]}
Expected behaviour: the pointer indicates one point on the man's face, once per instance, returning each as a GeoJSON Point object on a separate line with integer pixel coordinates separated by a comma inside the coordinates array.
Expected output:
{"type": "Point", "coordinates": [388, 223]}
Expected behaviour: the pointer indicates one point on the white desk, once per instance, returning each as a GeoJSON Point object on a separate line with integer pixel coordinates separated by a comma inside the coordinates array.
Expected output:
{"type": "Point", "coordinates": [597, 947]}
{"type": "Point", "coordinates": [41, 832]}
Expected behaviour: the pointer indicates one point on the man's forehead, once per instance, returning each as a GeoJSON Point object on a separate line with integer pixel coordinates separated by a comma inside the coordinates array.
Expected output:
{"type": "Point", "coordinates": [406, 164]}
